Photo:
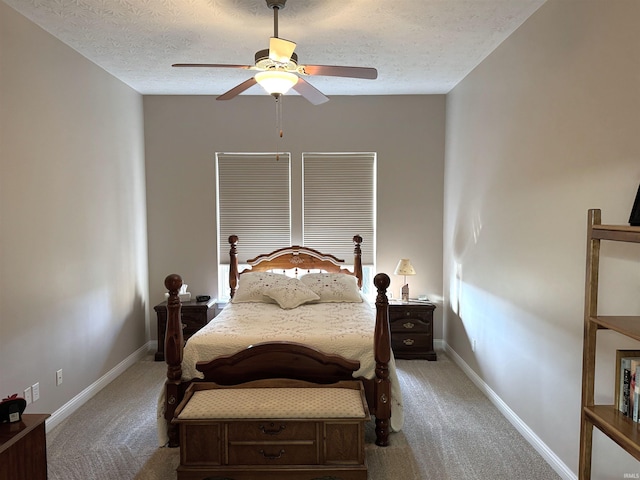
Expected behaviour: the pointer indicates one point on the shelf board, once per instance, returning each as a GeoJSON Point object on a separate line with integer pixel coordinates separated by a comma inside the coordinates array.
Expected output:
{"type": "Point", "coordinates": [626, 325]}
{"type": "Point", "coordinates": [620, 233]}
{"type": "Point", "coordinates": [618, 427]}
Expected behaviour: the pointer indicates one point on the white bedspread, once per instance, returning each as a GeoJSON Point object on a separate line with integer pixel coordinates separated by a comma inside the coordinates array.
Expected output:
{"type": "Point", "coordinates": [346, 329]}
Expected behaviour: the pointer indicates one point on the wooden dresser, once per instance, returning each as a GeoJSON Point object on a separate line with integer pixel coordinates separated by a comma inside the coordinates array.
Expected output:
{"type": "Point", "coordinates": [23, 449]}
{"type": "Point", "coordinates": [412, 329]}
{"type": "Point", "coordinates": [194, 315]}
{"type": "Point", "coordinates": [288, 446]}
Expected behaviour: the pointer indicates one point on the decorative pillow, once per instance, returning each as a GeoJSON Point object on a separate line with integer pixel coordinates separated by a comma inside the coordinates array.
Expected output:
{"type": "Point", "coordinates": [292, 294]}
{"type": "Point", "coordinates": [252, 285]}
{"type": "Point", "coordinates": [333, 287]}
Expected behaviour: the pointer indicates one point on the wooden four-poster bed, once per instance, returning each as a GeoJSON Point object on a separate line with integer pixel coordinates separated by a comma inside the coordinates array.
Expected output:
{"type": "Point", "coordinates": [317, 338]}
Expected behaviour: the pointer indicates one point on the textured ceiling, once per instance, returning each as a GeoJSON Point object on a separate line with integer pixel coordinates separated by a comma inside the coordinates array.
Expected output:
{"type": "Point", "coordinates": [418, 46]}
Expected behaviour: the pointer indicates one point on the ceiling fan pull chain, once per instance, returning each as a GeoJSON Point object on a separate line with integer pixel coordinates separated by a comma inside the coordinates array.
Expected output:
{"type": "Point", "coordinates": [279, 114]}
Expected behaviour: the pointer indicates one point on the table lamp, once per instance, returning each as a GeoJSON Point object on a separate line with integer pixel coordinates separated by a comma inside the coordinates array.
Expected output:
{"type": "Point", "coordinates": [405, 268]}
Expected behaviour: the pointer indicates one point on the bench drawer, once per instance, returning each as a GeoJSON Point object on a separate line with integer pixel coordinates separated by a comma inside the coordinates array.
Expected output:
{"type": "Point", "coordinates": [274, 453]}
{"type": "Point", "coordinates": [272, 430]}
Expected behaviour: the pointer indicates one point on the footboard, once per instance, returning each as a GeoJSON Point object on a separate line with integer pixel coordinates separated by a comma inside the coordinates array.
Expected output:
{"type": "Point", "coordinates": [278, 359]}
{"type": "Point", "coordinates": [281, 360]}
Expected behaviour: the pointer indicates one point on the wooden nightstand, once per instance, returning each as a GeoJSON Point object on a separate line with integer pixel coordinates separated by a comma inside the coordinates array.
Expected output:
{"type": "Point", "coordinates": [23, 448]}
{"type": "Point", "coordinates": [194, 315]}
{"type": "Point", "coordinates": [412, 329]}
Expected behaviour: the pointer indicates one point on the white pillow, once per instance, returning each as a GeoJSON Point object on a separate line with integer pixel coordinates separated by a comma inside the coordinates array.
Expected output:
{"type": "Point", "coordinates": [333, 287]}
{"type": "Point", "coordinates": [292, 294]}
{"type": "Point", "coordinates": [252, 285]}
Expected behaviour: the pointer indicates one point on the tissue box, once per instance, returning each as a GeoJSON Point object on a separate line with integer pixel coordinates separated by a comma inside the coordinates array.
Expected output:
{"type": "Point", "coordinates": [184, 297]}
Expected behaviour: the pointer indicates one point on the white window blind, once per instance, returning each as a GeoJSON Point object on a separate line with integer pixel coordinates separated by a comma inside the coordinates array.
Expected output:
{"type": "Point", "coordinates": [253, 203]}
{"type": "Point", "coordinates": [339, 202]}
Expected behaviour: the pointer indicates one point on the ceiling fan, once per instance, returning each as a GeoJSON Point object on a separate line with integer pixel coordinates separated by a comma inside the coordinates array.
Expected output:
{"type": "Point", "coordinates": [279, 71]}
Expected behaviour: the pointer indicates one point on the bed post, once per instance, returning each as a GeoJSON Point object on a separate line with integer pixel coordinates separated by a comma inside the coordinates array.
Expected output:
{"type": "Point", "coordinates": [233, 265]}
{"type": "Point", "coordinates": [357, 259]}
{"type": "Point", "coordinates": [173, 346]}
{"type": "Point", "coordinates": [382, 352]}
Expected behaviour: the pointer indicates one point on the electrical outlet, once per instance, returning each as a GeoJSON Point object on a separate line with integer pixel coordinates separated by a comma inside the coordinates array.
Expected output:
{"type": "Point", "coordinates": [59, 377]}
{"type": "Point", "coordinates": [27, 395]}
{"type": "Point", "coordinates": [36, 391]}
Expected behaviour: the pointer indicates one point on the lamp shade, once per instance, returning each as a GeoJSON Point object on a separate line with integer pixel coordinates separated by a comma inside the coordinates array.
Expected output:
{"type": "Point", "coordinates": [276, 81]}
{"type": "Point", "coordinates": [404, 267]}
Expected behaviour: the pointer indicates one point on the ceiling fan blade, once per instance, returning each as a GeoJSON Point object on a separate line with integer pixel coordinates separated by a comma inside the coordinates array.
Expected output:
{"type": "Point", "coordinates": [280, 50]}
{"type": "Point", "coordinates": [310, 92]}
{"type": "Point", "coordinates": [213, 65]}
{"type": "Point", "coordinates": [238, 89]}
{"type": "Point", "coordinates": [336, 71]}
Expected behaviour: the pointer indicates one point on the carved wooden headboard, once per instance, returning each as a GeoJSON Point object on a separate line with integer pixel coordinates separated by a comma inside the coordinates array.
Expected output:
{"type": "Point", "coordinates": [295, 257]}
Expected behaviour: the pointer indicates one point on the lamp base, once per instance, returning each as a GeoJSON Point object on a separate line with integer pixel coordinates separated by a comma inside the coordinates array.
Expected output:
{"type": "Point", "coordinates": [405, 293]}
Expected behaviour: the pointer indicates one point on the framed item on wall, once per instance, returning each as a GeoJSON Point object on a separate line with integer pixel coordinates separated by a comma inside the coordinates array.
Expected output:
{"type": "Point", "coordinates": [634, 219]}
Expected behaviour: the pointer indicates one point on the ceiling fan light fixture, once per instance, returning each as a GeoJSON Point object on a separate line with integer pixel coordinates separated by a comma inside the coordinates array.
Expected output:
{"type": "Point", "coordinates": [276, 81]}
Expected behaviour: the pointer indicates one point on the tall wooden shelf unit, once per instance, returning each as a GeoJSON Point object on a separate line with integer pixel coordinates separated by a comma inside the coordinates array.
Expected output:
{"type": "Point", "coordinates": [606, 418]}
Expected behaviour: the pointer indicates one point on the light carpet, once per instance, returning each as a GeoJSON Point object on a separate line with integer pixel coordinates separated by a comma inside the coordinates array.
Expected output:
{"type": "Point", "coordinates": [452, 431]}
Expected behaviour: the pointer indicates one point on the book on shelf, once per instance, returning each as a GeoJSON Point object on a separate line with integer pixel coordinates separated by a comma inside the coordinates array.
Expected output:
{"type": "Point", "coordinates": [636, 394]}
{"type": "Point", "coordinates": [633, 367]}
{"type": "Point", "coordinates": [627, 392]}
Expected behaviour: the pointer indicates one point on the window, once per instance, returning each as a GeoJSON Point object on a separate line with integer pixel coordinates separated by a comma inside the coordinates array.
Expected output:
{"type": "Point", "coordinates": [254, 202]}
{"type": "Point", "coordinates": [338, 202]}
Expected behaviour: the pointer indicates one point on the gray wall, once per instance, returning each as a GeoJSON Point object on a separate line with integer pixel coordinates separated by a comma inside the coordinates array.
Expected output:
{"type": "Point", "coordinates": [184, 132]}
{"type": "Point", "coordinates": [73, 255]}
{"type": "Point", "coordinates": [544, 129]}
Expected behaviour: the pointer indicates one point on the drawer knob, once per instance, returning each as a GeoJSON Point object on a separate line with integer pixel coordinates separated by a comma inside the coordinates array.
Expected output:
{"type": "Point", "coordinates": [408, 341]}
{"type": "Point", "coordinates": [272, 456]}
{"type": "Point", "coordinates": [408, 325]}
{"type": "Point", "coordinates": [270, 430]}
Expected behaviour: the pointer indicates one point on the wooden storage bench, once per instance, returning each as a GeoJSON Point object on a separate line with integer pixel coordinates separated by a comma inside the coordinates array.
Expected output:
{"type": "Point", "coordinates": [273, 429]}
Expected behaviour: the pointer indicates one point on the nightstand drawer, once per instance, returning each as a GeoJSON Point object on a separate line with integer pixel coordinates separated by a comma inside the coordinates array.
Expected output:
{"type": "Point", "coordinates": [192, 323]}
{"type": "Point", "coordinates": [418, 312]}
{"type": "Point", "coordinates": [407, 342]}
{"type": "Point", "coordinates": [411, 325]}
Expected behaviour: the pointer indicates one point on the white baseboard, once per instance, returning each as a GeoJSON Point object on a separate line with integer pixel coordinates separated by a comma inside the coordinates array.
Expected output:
{"type": "Point", "coordinates": [551, 458]}
{"type": "Point", "coordinates": [76, 402]}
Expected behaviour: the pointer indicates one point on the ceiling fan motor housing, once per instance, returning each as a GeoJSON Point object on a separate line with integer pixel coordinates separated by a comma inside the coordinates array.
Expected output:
{"type": "Point", "coordinates": [263, 62]}
{"type": "Point", "coordinates": [276, 4]}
